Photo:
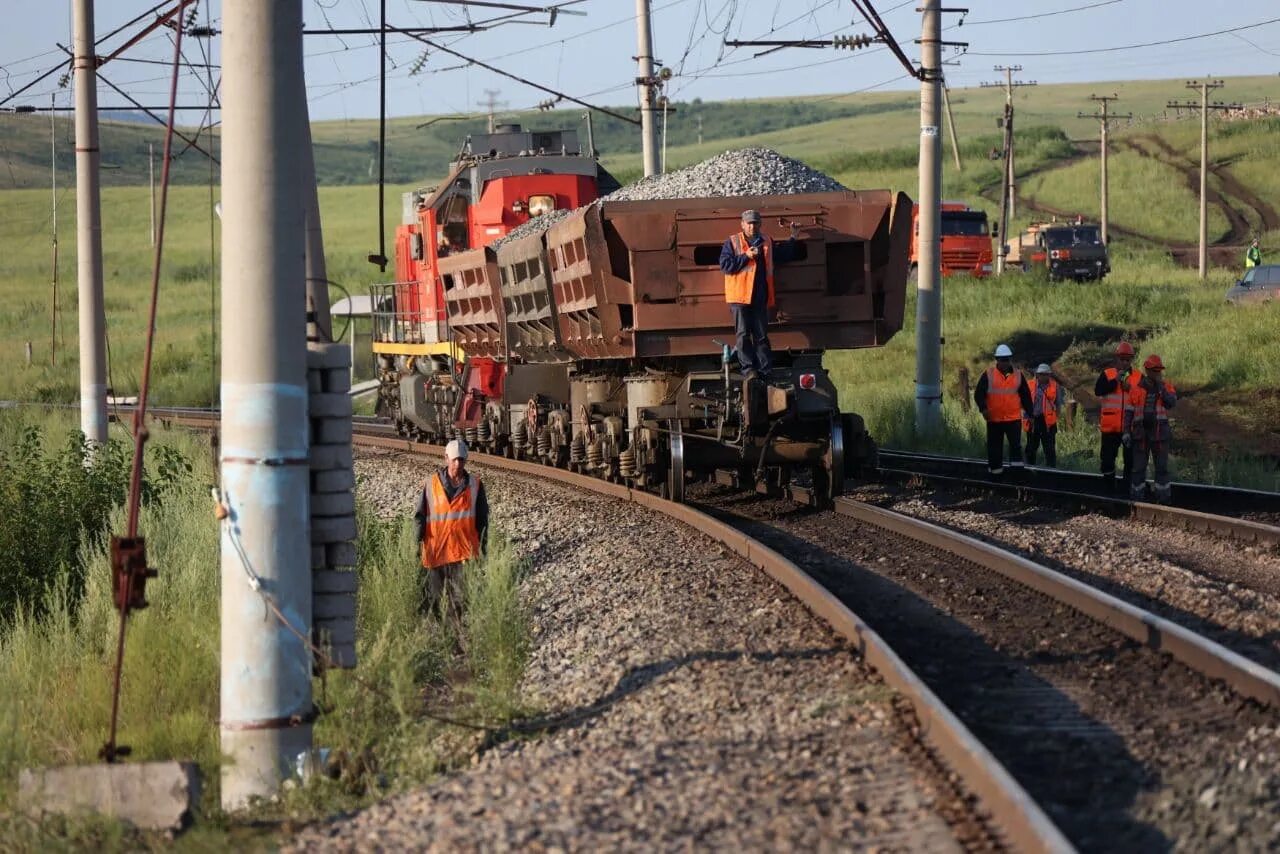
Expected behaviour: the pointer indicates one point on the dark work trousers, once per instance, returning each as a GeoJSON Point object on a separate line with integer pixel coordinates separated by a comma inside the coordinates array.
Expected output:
{"type": "Point", "coordinates": [751, 323]}
{"type": "Point", "coordinates": [1110, 444]}
{"type": "Point", "coordinates": [442, 591]}
{"type": "Point", "coordinates": [1159, 451]}
{"type": "Point", "coordinates": [997, 433]}
{"type": "Point", "coordinates": [1047, 437]}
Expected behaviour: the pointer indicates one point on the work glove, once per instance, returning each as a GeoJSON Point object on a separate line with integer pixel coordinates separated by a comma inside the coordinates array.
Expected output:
{"type": "Point", "coordinates": [1126, 440]}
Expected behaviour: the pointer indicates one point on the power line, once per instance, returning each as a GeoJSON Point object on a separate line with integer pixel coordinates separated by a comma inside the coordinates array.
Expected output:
{"type": "Point", "coordinates": [1040, 14]}
{"type": "Point", "coordinates": [1131, 46]}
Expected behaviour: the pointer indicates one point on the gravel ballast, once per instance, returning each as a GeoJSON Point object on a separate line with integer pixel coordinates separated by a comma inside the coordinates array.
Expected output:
{"type": "Point", "coordinates": [698, 705]}
{"type": "Point", "coordinates": [742, 172]}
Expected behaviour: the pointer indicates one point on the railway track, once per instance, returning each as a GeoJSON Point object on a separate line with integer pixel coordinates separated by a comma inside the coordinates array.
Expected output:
{"type": "Point", "coordinates": [1241, 514]}
{"type": "Point", "coordinates": [1073, 691]}
{"type": "Point", "coordinates": [1058, 705]}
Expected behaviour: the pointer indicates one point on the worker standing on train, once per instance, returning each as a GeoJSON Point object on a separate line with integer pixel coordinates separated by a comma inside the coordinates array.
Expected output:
{"type": "Point", "coordinates": [747, 260]}
{"type": "Point", "coordinates": [1147, 429]}
{"type": "Point", "coordinates": [1002, 395]}
{"type": "Point", "coordinates": [452, 515]}
{"type": "Point", "coordinates": [1040, 423]}
{"type": "Point", "coordinates": [1111, 389]}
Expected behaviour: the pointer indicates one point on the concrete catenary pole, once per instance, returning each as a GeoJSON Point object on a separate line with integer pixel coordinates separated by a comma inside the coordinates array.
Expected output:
{"type": "Point", "coordinates": [1204, 179]}
{"type": "Point", "coordinates": [646, 85]}
{"type": "Point", "coordinates": [317, 271]}
{"type": "Point", "coordinates": [928, 271]}
{"type": "Point", "coordinates": [1105, 118]}
{"type": "Point", "coordinates": [92, 315]}
{"type": "Point", "coordinates": [266, 707]}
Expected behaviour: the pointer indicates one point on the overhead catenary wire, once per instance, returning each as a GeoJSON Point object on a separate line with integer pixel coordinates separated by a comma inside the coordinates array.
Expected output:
{"type": "Point", "coordinates": [1125, 47]}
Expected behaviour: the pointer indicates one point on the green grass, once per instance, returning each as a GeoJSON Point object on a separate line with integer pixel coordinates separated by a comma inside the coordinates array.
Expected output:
{"type": "Point", "coordinates": [55, 669]}
{"type": "Point", "coordinates": [1162, 309]}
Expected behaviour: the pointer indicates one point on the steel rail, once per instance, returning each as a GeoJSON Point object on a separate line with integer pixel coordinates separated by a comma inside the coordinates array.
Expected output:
{"type": "Point", "coordinates": [1078, 494]}
{"type": "Point", "coordinates": [1202, 655]}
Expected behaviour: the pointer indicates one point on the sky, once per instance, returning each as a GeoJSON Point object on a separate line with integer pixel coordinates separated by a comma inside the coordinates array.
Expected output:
{"type": "Point", "coordinates": [590, 55]}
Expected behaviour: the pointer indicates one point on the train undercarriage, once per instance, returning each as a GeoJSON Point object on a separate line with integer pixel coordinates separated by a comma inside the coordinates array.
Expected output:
{"type": "Point", "coordinates": [656, 426]}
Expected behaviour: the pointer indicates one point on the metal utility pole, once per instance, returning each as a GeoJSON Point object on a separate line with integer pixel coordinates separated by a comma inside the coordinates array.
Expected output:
{"type": "Point", "coordinates": [1104, 118]}
{"type": "Point", "coordinates": [266, 708]}
{"type": "Point", "coordinates": [646, 84]}
{"type": "Point", "coordinates": [492, 104]}
{"type": "Point", "coordinates": [591, 135]}
{"type": "Point", "coordinates": [951, 126]}
{"type": "Point", "coordinates": [928, 250]}
{"type": "Point", "coordinates": [1008, 189]}
{"type": "Point", "coordinates": [1205, 86]}
{"type": "Point", "coordinates": [93, 318]}
{"type": "Point", "coordinates": [151, 181]}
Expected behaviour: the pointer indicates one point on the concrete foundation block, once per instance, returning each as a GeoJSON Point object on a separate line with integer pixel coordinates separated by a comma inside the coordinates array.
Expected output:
{"type": "Point", "coordinates": [336, 631]}
{"type": "Point", "coordinates": [332, 606]}
{"type": "Point", "coordinates": [333, 504]}
{"type": "Point", "coordinates": [332, 529]}
{"type": "Point", "coordinates": [319, 560]}
{"type": "Point", "coordinates": [333, 480]}
{"type": "Point", "coordinates": [325, 405]}
{"type": "Point", "coordinates": [340, 554]}
{"type": "Point", "coordinates": [330, 431]}
{"type": "Point", "coordinates": [149, 795]}
{"type": "Point", "coordinates": [343, 655]}
{"type": "Point", "coordinates": [336, 380]}
{"type": "Point", "coordinates": [325, 457]}
{"type": "Point", "coordinates": [315, 384]}
{"type": "Point", "coordinates": [320, 356]}
{"type": "Point", "coordinates": [331, 581]}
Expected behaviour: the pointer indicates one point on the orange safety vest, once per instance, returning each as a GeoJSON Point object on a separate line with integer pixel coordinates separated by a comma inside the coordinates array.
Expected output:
{"type": "Point", "coordinates": [1050, 405]}
{"type": "Point", "coordinates": [1136, 403]}
{"type": "Point", "coordinates": [1111, 420]}
{"type": "Point", "coordinates": [450, 535]}
{"type": "Point", "coordinates": [1003, 402]}
{"type": "Point", "coordinates": [738, 286]}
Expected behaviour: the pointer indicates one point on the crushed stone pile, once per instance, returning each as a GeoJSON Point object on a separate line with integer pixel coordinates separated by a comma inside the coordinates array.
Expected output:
{"type": "Point", "coordinates": [743, 172]}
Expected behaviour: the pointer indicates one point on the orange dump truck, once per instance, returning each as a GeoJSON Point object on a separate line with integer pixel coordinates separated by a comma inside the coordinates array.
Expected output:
{"type": "Point", "coordinates": [965, 237]}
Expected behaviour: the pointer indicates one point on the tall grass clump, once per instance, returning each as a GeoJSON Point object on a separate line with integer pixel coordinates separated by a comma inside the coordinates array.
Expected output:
{"type": "Point", "coordinates": [53, 504]}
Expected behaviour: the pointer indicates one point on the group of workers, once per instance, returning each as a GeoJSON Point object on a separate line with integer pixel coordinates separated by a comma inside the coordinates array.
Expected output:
{"type": "Point", "coordinates": [1134, 419]}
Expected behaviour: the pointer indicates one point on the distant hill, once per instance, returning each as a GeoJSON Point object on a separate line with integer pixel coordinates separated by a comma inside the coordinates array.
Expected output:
{"type": "Point", "coordinates": [817, 129]}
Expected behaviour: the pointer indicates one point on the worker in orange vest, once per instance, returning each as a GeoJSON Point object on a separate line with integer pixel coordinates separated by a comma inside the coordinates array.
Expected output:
{"type": "Point", "coordinates": [747, 260]}
{"type": "Point", "coordinates": [1002, 395]}
{"type": "Point", "coordinates": [1147, 429]}
{"type": "Point", "coordinates": [1112, 387]}
{"type": "Point", "coordinates": [1040, 423]}
{"type": "Point", "coordinates": [452, 515]}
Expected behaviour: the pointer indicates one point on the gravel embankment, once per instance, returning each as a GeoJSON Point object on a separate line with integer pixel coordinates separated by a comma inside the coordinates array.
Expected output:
{"type": "Point", "coordinates": [698, 706]}
{"type": "Point", "coordinates": [1225, 590]}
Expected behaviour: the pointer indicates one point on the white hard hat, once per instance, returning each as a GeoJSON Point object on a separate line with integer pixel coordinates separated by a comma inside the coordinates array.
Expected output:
{"type": "Point", "coordinates": [1003, 352]}
{"type": "Point", "coordinates": [455, 450]}
{"type": "Point", "coordinates": [1042, 368]}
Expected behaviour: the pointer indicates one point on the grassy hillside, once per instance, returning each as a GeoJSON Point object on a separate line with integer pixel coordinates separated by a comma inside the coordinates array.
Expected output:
{"type": "Point", "coordinates": [865, 141]}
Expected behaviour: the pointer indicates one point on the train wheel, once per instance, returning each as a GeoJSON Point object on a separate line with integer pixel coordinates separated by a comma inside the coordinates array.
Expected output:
{"type": "Point", "coordinates": [828, 476]}
{"type": "Point", "coordinates": [675, 470]}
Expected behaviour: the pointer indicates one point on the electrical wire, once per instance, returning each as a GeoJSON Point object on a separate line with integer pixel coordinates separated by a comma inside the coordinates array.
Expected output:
{"type": "Point", "coordinates": [1179, 40]}
{"type": "Point", "coordinates": [965, 23]}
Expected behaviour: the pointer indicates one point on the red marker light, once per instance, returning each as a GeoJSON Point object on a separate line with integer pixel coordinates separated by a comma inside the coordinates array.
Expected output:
{"type": "Point", "coordinates": [808, 381]}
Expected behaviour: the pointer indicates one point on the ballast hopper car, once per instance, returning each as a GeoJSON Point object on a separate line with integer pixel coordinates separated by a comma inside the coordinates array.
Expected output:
{"type": "Point", "coordinates": [603, 343]}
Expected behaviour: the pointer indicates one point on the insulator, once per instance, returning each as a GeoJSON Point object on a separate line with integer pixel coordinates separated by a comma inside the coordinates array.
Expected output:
{"type": "Point", "coordinates": [469, 434]}
{"type": "Point", "coordinates": [519, 435]}
{"type": "Point", "coordinates": [595, 455]}
{"type": "Point", "coordinates": [483, 431]}
{"type": "Point", "coordinates": [627, 463]}
{"type": "Point", "coordinates": [544, 443]}
{"type": "Point", "coordinates": [577, 450]}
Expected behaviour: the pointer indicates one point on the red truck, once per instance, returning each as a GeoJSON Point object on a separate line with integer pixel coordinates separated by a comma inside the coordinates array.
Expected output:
{"type": "Point", "coordinates": [966, 240]}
